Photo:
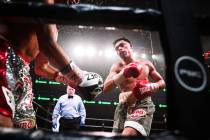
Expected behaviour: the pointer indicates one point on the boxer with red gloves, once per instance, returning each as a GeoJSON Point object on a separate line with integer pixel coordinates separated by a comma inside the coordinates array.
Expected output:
{"type": "Point", "coordinates": [132, 70]}
{"type": "Point", "coordinates": [134, 113]}
{"type": "Point", "coordinates": [144, 89]}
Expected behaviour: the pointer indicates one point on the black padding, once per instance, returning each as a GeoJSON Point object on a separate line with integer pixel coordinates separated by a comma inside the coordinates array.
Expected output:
{"type": "Point", "coordinates": [85, 14]}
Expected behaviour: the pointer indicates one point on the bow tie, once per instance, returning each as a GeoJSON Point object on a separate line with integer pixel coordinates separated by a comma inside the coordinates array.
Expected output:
{"type": "Point", "coordinates": [70, 97]}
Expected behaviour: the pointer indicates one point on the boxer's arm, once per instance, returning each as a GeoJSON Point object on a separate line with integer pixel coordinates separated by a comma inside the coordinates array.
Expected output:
{"type": "Point", "coordinates": [109, 82]}
{"type": "Point", "coordinates": [46, 36]}
{"type": "Point", "coordinates": [144, 88]}
{"type": "Point", "coordinates": [156, 76]}
{"type": "Point", "coordinates": [45, 70]}
{"type": "Point", "coordinates": [48, 45]}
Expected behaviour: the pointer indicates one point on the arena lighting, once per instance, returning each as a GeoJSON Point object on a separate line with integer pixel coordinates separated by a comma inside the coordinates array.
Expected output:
{"type": "Point", "coordinates": [100, 52]}
{"type": "Point", "coordinates": [109, 53]}
{"type": "Point", "coordinates": [54, 83]}
{"type": "Point", "coordinates": [81, 27]}
{"type": "Point", "coordinates": [104, 103]}
{"type": "Point", "coordinates": [89, 102]}
{"type": "Point", "coordinates": [55, 99]}
{"type": "Point", "coordinates": [47, 82]}
{"type": "Point", "coordinates": [43, 98]}
{"type": "Point", "coordinates": [57, 83]}
{"type": "Point", "coordinates": [40, 82]}
{"type": "Point", "coordinates": [79, 51]}
{"type": "Point", "coordinates": [164, 89]}
{"type": "Point", "coordinates": [116, 103]}
{"type": "Point", "coordinates": [143, 56]}
{"type": "Point", "coordinates": [84, 27]}
{"type": "Point", "coordinates": [162, 106]}
{"type": "Point", "coordinates": [110, 28]}
{"type": "Point", "coordinates": [90, 51]}
{"type": "Point", "coordinates": [135, 55]}
{"type": "Point", "coordinates": [154, 56]}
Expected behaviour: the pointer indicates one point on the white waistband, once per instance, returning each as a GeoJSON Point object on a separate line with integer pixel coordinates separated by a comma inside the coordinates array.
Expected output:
{"type": "Point", "coordinates": [136, 126]}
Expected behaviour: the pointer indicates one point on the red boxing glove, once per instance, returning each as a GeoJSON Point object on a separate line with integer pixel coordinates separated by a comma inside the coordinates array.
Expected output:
{"type": "Point", "coordinates": [144, 89]}
{"type": "Point", "coordinates": [132, 70]}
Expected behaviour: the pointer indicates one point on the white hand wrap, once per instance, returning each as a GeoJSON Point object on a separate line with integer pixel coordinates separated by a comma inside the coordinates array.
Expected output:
{"type": "Point", "coordinates": [154, 87]}
{"type": "Point", "coordinates": [73, 72]}
{"type": "Point", "coordinates": [149, 88]}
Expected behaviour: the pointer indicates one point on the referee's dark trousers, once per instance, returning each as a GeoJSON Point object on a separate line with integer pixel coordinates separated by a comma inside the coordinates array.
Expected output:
{"type": "Point", "coordinates": [69, 124]}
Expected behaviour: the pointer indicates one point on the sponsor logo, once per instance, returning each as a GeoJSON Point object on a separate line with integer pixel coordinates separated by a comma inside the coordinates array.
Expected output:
{"type": "Point", "coordinates": [137, 113]}
{"type": "Point", "coordinates": [91, 76]}
{"type": "Point", "coordinates": [144, 90]}
{"type": "Point", "coordinates": [190, 74]}
{"type": "Point", "coordinates": [26, 123]}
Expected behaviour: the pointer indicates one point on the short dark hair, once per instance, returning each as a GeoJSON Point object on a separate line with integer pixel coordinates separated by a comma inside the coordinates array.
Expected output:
{"type": "Point", "coordinates": [122, 38]}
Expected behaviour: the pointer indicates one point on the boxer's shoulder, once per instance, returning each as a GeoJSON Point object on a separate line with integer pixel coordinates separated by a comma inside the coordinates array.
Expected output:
{"type": "Point", "coordinates": [117, 67]}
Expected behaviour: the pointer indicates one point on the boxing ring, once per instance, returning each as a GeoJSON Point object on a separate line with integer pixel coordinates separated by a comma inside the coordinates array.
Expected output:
{"type": "Point", "coordinates": [180, 54]}
{"type": "Point", "coordinates": [82, 14]}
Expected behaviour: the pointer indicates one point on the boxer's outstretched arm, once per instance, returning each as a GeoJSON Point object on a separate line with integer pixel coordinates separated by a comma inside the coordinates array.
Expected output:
{"type": "Point", "coordinates": [48, 45]}
{"type": "Point", "coordinates": [44, 69]}
{"type": "Point", "coordinates": [55, 54]}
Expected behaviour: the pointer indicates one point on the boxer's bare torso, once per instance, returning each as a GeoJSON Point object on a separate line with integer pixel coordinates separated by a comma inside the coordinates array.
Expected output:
{"type": "Point", "coordinates": [129, 83]}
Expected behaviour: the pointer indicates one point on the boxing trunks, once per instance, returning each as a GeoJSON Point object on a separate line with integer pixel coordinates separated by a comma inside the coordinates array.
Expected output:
{"type": "Point", "coordinates": [15, 87]}
{"type": "Point", "coordinates": [138, 116]}
{"type": "Point", "coordinates": [120, 117]}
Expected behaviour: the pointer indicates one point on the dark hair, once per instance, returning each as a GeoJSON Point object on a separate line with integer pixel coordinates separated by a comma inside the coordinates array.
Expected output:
{"type": "Point", "coordinates": [122, 38]}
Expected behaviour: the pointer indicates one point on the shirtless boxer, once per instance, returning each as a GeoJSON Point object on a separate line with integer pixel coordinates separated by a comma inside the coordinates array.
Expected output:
{"type": "Point", "coordinates": [20, 44]}
{"type": "Point", "coordinates": [134, 113]}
